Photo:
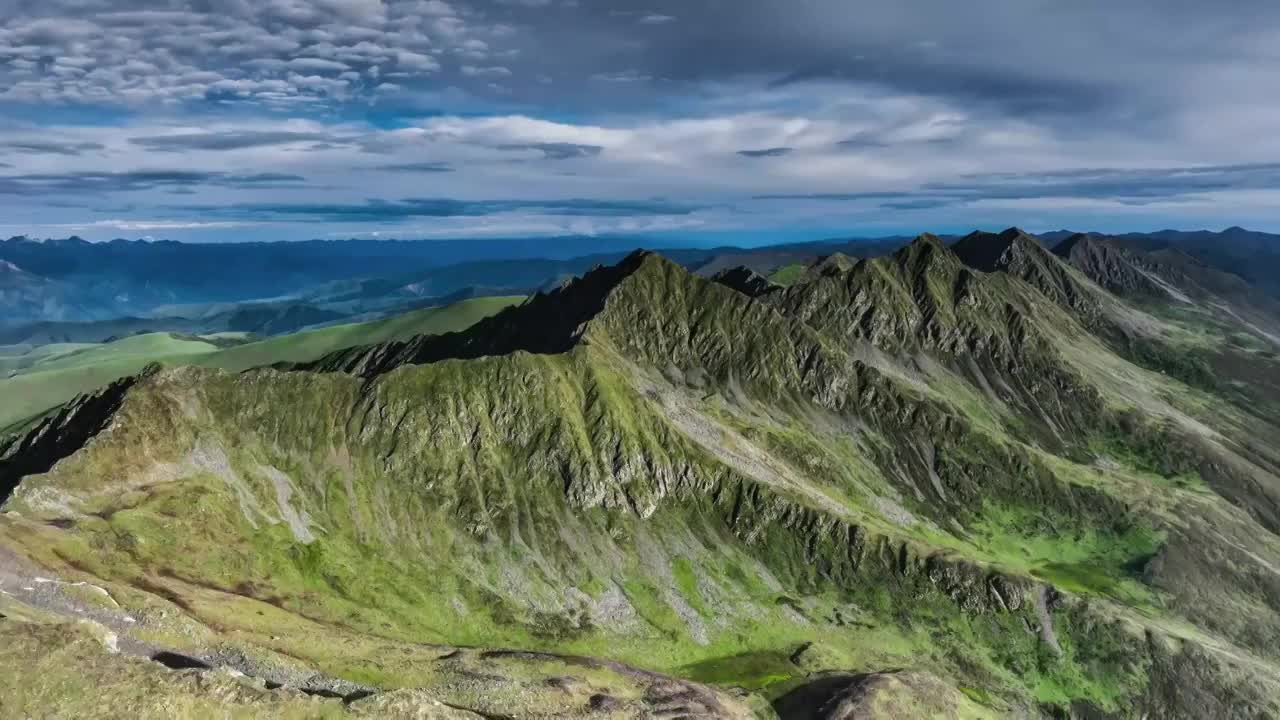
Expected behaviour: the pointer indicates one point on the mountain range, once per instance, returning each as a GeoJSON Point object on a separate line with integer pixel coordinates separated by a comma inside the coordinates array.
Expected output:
{"type": "Point", "coordinates": [998, 475]}
{"type": "Point", "coordinates": [71, 280]}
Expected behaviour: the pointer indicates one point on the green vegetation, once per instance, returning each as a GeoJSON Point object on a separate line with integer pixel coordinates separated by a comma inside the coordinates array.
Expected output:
{"type": "Point", "coordinates": [17, 358]}
{"type": "Point", "coordinates": [60, 378]}
{"type": "Point", "coordinates": [1090, 561]}
{"type": "Point", "coordinates": [58, 374]}
{"type": "Point", "coordinates": [313, 344]}
{"type": "Point", "coordinates": [788, 274]}
{"type": "Point", "coordinates": [898, 464]}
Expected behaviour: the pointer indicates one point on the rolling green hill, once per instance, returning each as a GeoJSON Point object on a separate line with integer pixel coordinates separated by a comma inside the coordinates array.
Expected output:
{"type": "Point", "coordinates": [60, 378]}
{"type": "Point", "coordinates": [51, 375]}
{"type": "Point", "coordinates": [312, 344]}
{"type": "Point", "coordinates": [16, 358]}
{"type": "Point", "coordinates": [932, 484]}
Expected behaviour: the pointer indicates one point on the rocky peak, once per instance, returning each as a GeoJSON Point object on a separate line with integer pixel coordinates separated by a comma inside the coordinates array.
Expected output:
{"type": "Point", "coordinates": [990, 252]}
{"type": "Point", "coordinates": [1084, 241]}
{"type": "Point", "coordinates": [1112, 267]}
{"type": "Point", "coordinates": [923, 252]}
{"type": "Point", "coordinates": [1016, 234]}
{"type": "Point", "coordinates": [745, 280]}
{"type": "Point", "coordinates": [547, 323]}
{"type": "Point", "coordinates": [838, 262]}
{"type": "Point", "coordinates": [1020, 255]}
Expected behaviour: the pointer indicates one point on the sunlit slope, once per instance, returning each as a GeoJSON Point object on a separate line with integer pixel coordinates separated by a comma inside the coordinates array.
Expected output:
{"type": "Point", "coordinates": [313, 344]}
{"type": "Point", "coordinates": [54, 380]}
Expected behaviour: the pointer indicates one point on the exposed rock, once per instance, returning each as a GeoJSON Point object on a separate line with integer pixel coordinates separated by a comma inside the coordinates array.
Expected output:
{"type": "Point", "coordinates": [746, 281]}
{"type": "Point", "coordinates": [892, 695]}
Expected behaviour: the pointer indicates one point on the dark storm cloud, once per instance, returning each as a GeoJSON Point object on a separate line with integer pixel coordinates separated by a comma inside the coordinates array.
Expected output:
{"type": "Point", "coordinates": [381, 211]}
{"type": "Point", "coordinates": [766, 152]}
{"type": "Point", "coordinates": [108, 182]}
{"type": "Point", "coordinates": [228, 140]}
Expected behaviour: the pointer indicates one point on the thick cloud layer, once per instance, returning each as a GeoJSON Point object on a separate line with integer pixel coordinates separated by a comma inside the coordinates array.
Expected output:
{"type": "Point", "coordinates": [293, 118]}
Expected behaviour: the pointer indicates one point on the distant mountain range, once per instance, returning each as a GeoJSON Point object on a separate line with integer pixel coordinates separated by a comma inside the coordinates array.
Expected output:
{"type": "Point", "coordinates": [71, 280]}
{"type": "Point", "coordinates": [1254, 256]}
{"type": "Point", "coordinates": [62, 289]}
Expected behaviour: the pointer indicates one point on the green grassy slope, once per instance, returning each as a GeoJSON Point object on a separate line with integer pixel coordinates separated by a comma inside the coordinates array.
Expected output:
{"type": "Point", "coordinates": [59, 379]}
{"type": "Point", "coordinates": [313, 344]}
{"type": "Point", "coordinates": [19, 358]}
{"type": "Point", "coordinates": [55, 378]}
{"type": "Point", "coordinates": [788, 274]}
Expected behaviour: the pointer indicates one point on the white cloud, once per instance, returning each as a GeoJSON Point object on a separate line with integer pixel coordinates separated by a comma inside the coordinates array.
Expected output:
{"type": "Point", "coordinates": [488, 72]}
{"type": "Point", "coordinates": [416, 61]}
{"type": "Point", "coordinates": [311, 64]}
{"type": "Point", "coordinates": [233, 51]}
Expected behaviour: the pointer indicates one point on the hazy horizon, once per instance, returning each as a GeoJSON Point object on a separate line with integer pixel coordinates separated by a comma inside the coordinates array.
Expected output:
{"type": "Point", "coordinates": [729, 238]}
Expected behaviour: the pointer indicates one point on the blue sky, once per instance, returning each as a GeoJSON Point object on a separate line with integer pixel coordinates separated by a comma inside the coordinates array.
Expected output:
{"type": "Point", "coordinates": [222, 120]}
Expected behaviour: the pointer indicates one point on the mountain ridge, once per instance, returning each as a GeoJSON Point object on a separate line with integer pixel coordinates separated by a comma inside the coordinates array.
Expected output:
{"type": "Point", "coordinates": [859, 456]}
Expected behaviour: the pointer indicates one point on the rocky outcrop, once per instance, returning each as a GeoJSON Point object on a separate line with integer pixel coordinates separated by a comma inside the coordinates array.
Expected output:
{"type": "Point", "coordinates": [888, 695]}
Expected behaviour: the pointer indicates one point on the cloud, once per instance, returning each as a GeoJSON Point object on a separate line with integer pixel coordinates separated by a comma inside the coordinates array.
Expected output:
{"type": "Point", "coordinates": [44, 147]}
{"type": "Point", "coordinates": [923, 110]}
{"type": "Point", "coordinates": [89, 183]}
{"type": "Point", "coordinates": [147, 225]}
{"type": "Point", "coordinates": [382, 211]}
{"type": "Point", "coordinates": [415, 61]}
{"type": "Point", "coordinates": [766, 152]}
{"type": "Point", "coordinates": [837, 197]}
{"type": "Point", "coordinates": [418, 167]}
{"type": "Point", "coordinates": [1127, 184]}
{"type": "Point", "coordinates": [227, 139]}
{"type": "Point", "coordinates": [276, 54]}
{"type": "Point", "coordinates": [556, 150]}
{"type": "Point", "coordinates": [485, 72]}
{"type": "Point", "coordinates": [312, 64]}
{"type": "Point", "coordinates": [630, 75]}
{"type": "Point", "coordinates": [1131, 186]}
